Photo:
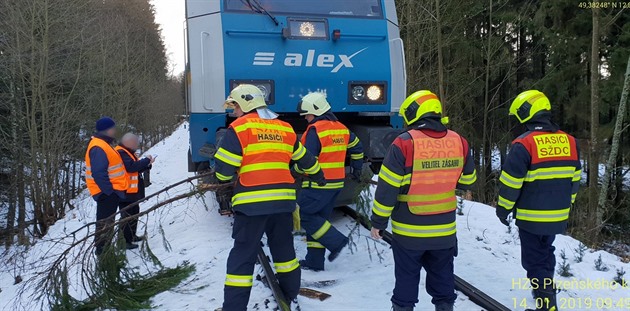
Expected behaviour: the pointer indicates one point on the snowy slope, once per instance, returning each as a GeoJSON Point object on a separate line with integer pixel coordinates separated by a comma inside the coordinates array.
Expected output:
{"type": "Point", "coordinates": [489, 256]}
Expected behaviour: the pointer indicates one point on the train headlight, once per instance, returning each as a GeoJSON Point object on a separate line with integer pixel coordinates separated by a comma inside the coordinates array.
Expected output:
{"type": "Point", "coordinates": [306, 29]}
{"type": "Point", "coordinates": [367, 92]}
{"type": "Point", "coordinates": [358, 93]}
{"type": "Point", "coordinates": [264, 90]}
{"type": "Point", "coordinates": [374, 92]}
{"type": "Point", "coordinates": [266, 86]}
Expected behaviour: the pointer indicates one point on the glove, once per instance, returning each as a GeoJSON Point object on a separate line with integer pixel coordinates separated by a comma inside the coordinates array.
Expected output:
{"type": "Point", "coordinates": [224, 194]}
{"type": "Point", "coordinates": [321, 182]}
{"type": "Point", "coordinates": [356, 174]}
{"type": "Point", "coordinates": [503, 215]}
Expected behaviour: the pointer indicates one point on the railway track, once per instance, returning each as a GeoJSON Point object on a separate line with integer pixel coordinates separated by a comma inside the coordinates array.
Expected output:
{"type": "Point", "coordinates": [474, 294]}
{"type": "Point", "coordinates": [272, 281]}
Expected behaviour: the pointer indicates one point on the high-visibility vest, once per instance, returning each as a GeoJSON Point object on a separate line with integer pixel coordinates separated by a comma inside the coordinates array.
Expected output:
{"type": "Point", "coordinates": [115, 170]}
{"type": "Point", "coordinates": [437, 166]}
{"type": "Point", "coordinates": [267, 149]}
{"type": "Point", "coordinates": [133, 177]}
{"type": "Point", "coordinates": [334, 138]}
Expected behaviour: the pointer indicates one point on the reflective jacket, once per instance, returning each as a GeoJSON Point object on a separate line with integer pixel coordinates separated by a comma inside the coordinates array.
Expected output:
{"type": "Point", "coordinates": [416, 186]}
{"type": "Point", "coordinates": [261, 151]}
{"type": "Point", "coordinates": [131, 176]}
{"type": "Point", "coordinates": [540, 179]}
{"type": "Point", "coordinates": [134, 167]}
{"type": "Point", "coordinates": [115, 170]}
{"type": "Point", "coordinates": [331, 141]}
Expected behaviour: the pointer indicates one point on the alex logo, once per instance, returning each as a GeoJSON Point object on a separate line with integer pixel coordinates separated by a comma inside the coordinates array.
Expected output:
{"type": "Point", "coordinates": [336, 62]}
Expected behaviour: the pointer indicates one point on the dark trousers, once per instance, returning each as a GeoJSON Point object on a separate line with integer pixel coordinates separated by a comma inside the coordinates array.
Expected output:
{"type": "Point", "coordinates": [247, 232]}
{"type": "Point", "coordinates": [130, 227]}
{"type": "Point", "coordinates": [106, 206]}
{"type": "Point", "coordinates": [438, 264]}
{"type": "Point", "coordinates": [537, 257]}
{"type": "Point", "coordinates": [316, 205]}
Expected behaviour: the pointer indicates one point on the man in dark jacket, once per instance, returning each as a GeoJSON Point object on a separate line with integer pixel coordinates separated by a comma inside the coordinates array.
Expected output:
{"type": "Point", "coordinates": [331, 142]}
{"type": "Point", "coordinates": [260, 148]}
{"type": "Point", "coordinates": [105, 178]}
{"type": "Point", "coordinates": [538, 185]}
{"type": "Point", "coordinates": [134, 168]}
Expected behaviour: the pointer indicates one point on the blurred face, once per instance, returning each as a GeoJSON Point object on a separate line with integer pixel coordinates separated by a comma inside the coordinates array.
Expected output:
{"type": "Point", "coordinates": [132, 143]}
{"type": "Point", "coordinates": [309, 117]}
{"type": "Point", "coordinates": [111, 132]}
{"type": "Point", "coordinates": [238, 112]}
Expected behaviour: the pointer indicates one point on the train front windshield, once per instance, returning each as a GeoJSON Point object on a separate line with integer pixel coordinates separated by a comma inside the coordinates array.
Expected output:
{"type": "Point", "coordinates": [349, 8]}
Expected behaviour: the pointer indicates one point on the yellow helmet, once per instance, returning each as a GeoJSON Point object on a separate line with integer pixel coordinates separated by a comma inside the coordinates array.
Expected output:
{"type": "Point", "coordinates": [314, 103]}
{"type": "Point", "coordinates": [419, 105]}
{"type": "Point", "coordinates": [528, 104]}
{"type": "Point", "coordinates": [247, 96]}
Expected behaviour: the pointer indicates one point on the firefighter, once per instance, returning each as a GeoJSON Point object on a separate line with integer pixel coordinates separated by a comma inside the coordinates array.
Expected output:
{"type": "Point", "coordinates": [261, 148]}
{"type": "Point", "coordinates": [416, 187]}
{"type": "Point", "coordinates": [106, 180]}
{"type": "Point", "coordinates": [538, 184]}
{"type": "Point", "coordinates": [134, 167]}
{"type": "Point", "coordinates": [330, 141]}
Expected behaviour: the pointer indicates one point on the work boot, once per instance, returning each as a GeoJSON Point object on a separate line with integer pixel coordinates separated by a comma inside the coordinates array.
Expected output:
{"type": "Point", "coordinates": [131, 246]}
{"type": "Point", "coordinates": [137, 238]}
{"type": "Point", "coordinates": [545, 300]}
{"type": "Point", "coordinates": [334, 254]}
{"type": "Point", "coordinates": [444, 307]}
{"type": "Point", "coordinates": [396, 307]}
{"type": "Point", "coordinates": [305, 266]}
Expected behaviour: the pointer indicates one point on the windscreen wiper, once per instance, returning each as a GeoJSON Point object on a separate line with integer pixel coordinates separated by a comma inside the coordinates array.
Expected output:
{"type": "Point", "coordinates": [255, 6]}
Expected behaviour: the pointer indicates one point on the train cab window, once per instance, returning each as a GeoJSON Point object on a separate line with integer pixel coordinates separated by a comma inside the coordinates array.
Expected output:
{"type": "Point", "coordinates": [330, 8]}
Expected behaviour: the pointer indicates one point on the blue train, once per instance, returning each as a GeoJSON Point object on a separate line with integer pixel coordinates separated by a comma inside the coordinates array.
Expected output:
{"type": "Point", "coordinates": [351, 50]}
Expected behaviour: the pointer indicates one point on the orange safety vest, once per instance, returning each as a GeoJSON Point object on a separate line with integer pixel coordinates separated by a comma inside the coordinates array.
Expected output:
{"type": "Point", "coordinates": [334, 138]}
{"type": "Point", "coordinates": [267, 149]}
{"type": "Point", "coordinates": [437, 166]}
{"type": "Point", "coordinates": [133, 177]}
{"type": "Point", "coordinates": [115, 170]}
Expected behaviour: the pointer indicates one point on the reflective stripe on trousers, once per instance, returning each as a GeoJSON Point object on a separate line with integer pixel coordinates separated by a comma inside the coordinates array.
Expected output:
{"type": "Point", "coordinates": [286, 267]}
{"type": "Point", "coordinates": [239, 280]}
{"type": "Point", "coordinates": [324, 228]}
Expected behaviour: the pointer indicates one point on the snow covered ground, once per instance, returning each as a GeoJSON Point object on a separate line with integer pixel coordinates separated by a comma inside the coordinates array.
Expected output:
{"type": "Point", "coordinates": [489, 256]}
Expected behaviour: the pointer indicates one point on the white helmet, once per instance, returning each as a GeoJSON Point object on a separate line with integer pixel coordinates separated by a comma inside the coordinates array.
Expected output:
{"type": "Point", "coordinates": [247, 96]}
{"type": "Point", "coordinates": [313, 103]}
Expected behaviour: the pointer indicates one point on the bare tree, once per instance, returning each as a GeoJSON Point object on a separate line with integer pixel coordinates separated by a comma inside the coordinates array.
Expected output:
{"type": "Point", "coordinates": [596, 212]}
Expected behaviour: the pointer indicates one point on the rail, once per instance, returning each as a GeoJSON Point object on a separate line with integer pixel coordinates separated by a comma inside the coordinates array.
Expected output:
{"type": "Point", "coordinates": [272, 281]}
{"type": "Point", "coordinates": [474, 294]}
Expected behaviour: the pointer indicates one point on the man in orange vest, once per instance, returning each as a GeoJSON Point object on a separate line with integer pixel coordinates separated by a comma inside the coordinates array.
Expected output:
{"type": "Point", "coordinates": [330, 141]}
{"type": "Point", "coordinates": [134, 168]}
{"type": "Point", "coordinates": [260, 148]}
{"type": "Point", "coordinates": [416, 188]}
{"type": "Point", "coordinates": [106, 180]}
